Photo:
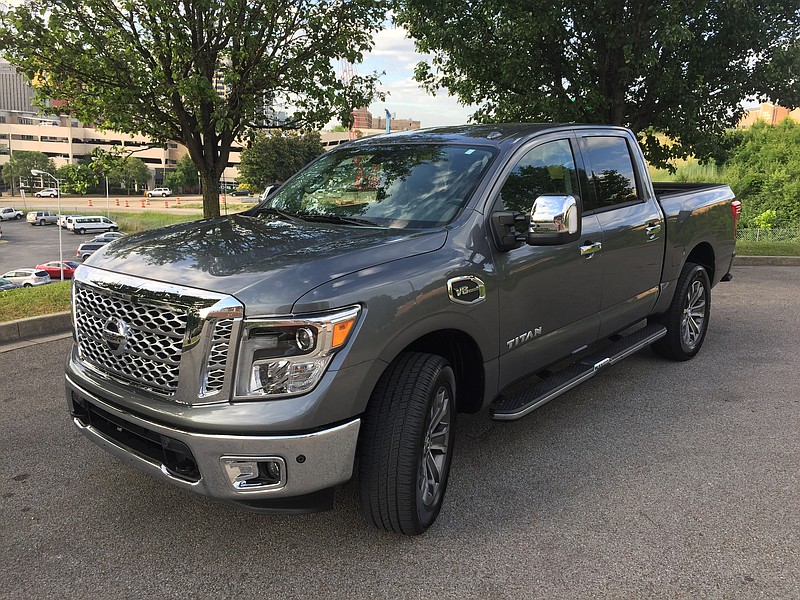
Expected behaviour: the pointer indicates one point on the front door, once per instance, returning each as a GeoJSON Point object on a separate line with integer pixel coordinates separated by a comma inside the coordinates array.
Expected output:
{"type": "Point", "coordinates": [549, 295]}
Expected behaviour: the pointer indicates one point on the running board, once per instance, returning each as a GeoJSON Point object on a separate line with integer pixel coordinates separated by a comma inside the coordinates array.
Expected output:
{"type": "Point", "coordinates": [516, 406]}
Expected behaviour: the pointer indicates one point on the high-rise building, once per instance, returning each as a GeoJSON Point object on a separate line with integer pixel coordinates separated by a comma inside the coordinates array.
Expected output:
{"type": "Point", "coordinates": [15, 93]}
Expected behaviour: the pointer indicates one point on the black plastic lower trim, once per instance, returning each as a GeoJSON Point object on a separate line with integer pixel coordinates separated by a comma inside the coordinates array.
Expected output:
{"type": "Point", "coordinates": [318, 501]}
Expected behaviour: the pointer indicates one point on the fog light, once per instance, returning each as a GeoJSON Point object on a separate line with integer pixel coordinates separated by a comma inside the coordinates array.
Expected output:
{"type": "Point", "coordinates": [254, 473]}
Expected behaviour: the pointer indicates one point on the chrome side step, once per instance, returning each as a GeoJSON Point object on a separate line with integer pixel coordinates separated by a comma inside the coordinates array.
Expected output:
{"type": "Point", "coordinates": [516, 406]}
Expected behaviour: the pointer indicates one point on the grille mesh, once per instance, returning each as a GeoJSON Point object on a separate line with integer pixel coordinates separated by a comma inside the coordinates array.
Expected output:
{"type": "Point", "coordinates": [153, 353]}
{"type": "Point", "coordinates": [215, 368]}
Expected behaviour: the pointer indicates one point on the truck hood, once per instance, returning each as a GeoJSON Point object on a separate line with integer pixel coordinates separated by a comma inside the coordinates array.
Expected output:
{"type": "Point", "coordinates": [266, 262]}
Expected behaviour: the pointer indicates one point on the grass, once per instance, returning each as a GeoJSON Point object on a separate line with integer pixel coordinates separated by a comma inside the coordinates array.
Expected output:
{"type": "Point", "coordinates": [744, 248]}
{"type": "Point", "coordinates": [34, 301]}
{"type": "Point", "coordinates": [130, 222]}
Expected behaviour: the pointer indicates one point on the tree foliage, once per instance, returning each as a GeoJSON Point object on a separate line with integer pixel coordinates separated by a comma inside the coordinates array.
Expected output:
{"type": "Point", "coordinates": [77, 179]}
{"type": "Point", "coordinates": [140, 66]}
{"type": "Point", "coordinates": [129, 172]}
{"type": "Point", "coordinates": [277, 156]}
{"type": "Point", "coordinates": [184, 175]}
{"type": "Point", "coordinates": [764, 171]}
{"type": "Point", "coordinates": [680, 68]}
{"type": "Point", "coordinates": [21, 163]}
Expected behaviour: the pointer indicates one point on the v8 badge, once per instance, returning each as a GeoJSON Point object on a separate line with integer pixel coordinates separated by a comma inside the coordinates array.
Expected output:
{"type": "Point", "coordinates": [466, 290]}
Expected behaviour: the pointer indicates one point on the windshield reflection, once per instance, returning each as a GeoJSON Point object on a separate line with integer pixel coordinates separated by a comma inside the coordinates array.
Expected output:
{"type": "Point", "coordinates": [398, 185]}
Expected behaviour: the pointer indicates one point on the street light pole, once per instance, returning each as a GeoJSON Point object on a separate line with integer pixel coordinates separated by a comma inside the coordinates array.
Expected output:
{"type": "Point", "coordinates": [58, 224]}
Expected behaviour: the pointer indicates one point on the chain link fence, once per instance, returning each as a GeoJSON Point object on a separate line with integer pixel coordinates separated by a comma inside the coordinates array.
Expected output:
{"type": "Point", "coordinates": [769, 235]}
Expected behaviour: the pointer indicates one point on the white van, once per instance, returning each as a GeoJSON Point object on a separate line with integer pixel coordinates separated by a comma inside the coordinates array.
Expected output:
{"type": "Point", "coordinates": [83, 224]}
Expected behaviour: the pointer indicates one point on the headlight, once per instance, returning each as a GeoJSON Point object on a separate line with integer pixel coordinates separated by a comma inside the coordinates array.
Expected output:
{"type": "Point", "coordinates": [287, 357]}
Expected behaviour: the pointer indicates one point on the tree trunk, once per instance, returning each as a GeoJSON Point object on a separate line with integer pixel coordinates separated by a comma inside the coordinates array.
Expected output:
{"type": "Point", "coordinates": [210, 188]}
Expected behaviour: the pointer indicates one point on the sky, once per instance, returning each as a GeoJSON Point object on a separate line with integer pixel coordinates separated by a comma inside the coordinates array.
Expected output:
{"type": "Point", "coordinates": [394, 54]}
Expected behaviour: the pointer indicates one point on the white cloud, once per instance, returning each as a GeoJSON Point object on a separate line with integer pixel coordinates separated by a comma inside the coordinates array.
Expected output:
{"type": "Point", "coordinates": [395, 55]}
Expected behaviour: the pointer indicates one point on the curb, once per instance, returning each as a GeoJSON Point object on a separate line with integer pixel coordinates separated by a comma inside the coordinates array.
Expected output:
{"type": "Point", "coordinates": [35, 327]}
{"type": "Point", "coordinates": [771, 261]}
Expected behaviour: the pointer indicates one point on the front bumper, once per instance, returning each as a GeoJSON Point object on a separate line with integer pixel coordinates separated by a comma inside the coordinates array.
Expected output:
{"type": "Point", "coordinates": [310, 463]}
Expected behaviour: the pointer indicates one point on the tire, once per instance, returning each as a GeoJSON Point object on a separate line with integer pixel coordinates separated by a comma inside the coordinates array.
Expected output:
{"type": "Point", "coordinates": [18, 217]}
{"type": "Point", "coordinates": [27, 285]}
{"type": "Point", "coordinates": [112, 228]}
{"type": "Point", "coordinates": [149, 195]}
{"type": "Point", "coordinates": [687, 318]}
{"type": "Point", "coordinates": [81, 231]}
{"type": "Point", "coordinates": [406, 443]}
{"type": "Point", "coordinates": [41, 222]}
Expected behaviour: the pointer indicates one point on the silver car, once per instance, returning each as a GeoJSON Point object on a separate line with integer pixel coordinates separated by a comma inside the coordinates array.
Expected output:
{"type": "Point", "coordinates": [27, 277]}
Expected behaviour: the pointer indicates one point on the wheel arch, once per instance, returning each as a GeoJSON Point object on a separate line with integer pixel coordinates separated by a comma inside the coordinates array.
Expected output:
{"type": "Point", "coordinates": [703, 254]}
{"type": "Point", "coordinates": [464, 355]}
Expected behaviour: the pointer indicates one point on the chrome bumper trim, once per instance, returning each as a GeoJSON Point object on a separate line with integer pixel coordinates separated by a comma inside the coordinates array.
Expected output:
{"type": "Point", "coordinates": [314, 461]}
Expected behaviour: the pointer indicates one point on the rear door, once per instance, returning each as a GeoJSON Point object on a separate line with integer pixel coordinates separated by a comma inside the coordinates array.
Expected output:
{"type": "Point", "coordinates": [632, 224]}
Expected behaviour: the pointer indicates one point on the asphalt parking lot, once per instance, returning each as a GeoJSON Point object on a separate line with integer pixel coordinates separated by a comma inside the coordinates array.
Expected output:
{"type": "Point", "coordinates": [653, 480]}
{"type": "Point", "coordinates": [24, 245]}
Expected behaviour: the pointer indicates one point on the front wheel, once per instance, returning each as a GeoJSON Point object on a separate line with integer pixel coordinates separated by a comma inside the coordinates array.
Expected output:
{"type": "Point", "coordinates": [406, 444]}
{"type": "Point", "coordinates": [687, 317]}
{"type": "Point", "coordinates": [81, 231]}
{"type": "Point", "coordinates": [41, 222]}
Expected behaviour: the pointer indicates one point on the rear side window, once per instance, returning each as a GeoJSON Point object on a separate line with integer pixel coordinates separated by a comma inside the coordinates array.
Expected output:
{"type": "Point", "coordinates": [40, 273]}
{"type": "Point", "coordinates": [610, 170]}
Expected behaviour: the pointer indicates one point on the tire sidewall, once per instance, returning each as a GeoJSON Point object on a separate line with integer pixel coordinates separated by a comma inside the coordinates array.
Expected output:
{"type": "Point", "coordinates": [696, 273]}
{"type": "Point", "coordinates": [446, 378]}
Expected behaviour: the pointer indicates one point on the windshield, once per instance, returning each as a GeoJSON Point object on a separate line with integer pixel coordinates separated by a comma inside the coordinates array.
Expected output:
{"type": "Point", "coordinates": [398, 185]}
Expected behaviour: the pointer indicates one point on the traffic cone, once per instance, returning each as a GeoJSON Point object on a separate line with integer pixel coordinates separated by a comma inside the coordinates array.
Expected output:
{"type": "Point", "coordinates": [178, 200]}
{"type": "Point", "coordinates": [148, 201]}
{"type": "Point", "coordinates": [126, 203]}
{"type": "Point", "coordinates": [166, 204]}
{"type": "Point", "coordinates": [90, 202]}
{"type": "Point", "coordinates": [116, 201]}
{"type": "Point", "coordinates": [142, 202]}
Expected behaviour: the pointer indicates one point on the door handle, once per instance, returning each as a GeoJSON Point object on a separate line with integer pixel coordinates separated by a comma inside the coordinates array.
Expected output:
{"type": "Point", "coordinates": [590, 248]}
{"type": "Point", "coordinates": [652, 230]}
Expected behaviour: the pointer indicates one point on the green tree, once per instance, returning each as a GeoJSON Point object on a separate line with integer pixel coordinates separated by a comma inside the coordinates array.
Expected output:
{"type": "Point", "coordinates": [152, 67]}
{"type": "Point", "coordinates": [184, 175]}
{"type": "Point", "coordinates": [21, 163]}
{"type": "Point", "coordinates": [76, 179]}
{"type": "Point", "coordinates": [763, 170]}
{"type": "Point", "coordinates": [277, 156]}
{"type": "Point", "coordinates": [680, 68]}
{"type": "Point", "coordinates": [129, 172]}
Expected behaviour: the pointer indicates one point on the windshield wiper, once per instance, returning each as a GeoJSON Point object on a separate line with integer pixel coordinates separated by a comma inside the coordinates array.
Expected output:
{"type": "Point", "coordinates": [281, 213]}
{"type": "Point", "coordinates": [323, 218]}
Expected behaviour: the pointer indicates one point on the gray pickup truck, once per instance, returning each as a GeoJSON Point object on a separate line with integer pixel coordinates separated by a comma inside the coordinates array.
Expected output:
{"type": "Point", "coordinates": [345, 321]}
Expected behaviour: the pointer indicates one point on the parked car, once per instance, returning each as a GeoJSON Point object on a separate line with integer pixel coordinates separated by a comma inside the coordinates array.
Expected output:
{"type": "Point", "coordinates": [83, 224]}
{"type": "Point", "coordinates": [64, 219]}
{"type": "Point", "coordinates": [53, 268]}
{"type": "Point", "coordinates": [89, 248]}
{"type": "Point", "coordinates": [47, 193]}
{"type": "Point", "coordinates": [27, 277]}
{"type": "Point", "coordinates": [5, 285]}
{"type": "Point", "coordinates": [8, 213]}
{"type": "Point", "coordinates": [41, 217]}
{"type": "Point", "coordinates": [109, 236]}
{"type": "Point", "coordinates": [163, 192]}
{"type": "Point", "coordinates": [241, 192]}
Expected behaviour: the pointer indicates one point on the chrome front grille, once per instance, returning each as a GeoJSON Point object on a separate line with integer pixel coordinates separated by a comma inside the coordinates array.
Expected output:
{"type": "Point", "coordinates": [152, 355]}
{"type": "Point", "coordinates": [168, 339]}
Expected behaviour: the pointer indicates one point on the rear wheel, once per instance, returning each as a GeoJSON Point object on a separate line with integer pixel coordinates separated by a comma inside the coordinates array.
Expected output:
{"type": "Point", "coordinates": [406, 444]}
{"type": "Point", "coordinates": [687, 317]}
{"type": "Point", "coordinates": [81, 231]}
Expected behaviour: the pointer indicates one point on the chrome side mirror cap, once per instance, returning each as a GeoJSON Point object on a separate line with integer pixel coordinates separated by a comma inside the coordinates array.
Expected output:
{"type": "Point", "coordinates": [554, 220]}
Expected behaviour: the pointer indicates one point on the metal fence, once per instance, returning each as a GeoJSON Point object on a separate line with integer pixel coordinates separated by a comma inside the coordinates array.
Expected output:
{"type": "Point", "coordinates": [769, 235]}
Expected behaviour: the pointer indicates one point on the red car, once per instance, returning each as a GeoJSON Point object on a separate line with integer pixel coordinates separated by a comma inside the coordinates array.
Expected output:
{"type": "Point", "coordinates": [53, 269]}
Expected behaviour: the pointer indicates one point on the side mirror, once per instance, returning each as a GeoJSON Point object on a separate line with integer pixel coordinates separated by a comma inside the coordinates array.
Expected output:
{"type": "Point", "coordinates": [554, 220]}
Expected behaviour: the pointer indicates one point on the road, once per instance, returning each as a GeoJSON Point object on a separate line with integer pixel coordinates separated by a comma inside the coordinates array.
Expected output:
{"type": "Point", "coordinates": [652, 480]}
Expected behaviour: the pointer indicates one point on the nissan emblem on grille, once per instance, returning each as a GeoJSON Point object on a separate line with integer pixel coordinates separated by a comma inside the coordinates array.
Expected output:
{"type": "Point", "coordinates": [115, 335]}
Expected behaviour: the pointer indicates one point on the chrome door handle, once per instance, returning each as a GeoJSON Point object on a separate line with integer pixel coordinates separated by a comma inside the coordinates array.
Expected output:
{"type": "Point", "coordinates": [590, 248]}
{"type": "Point", "coordinates": [652, 230]}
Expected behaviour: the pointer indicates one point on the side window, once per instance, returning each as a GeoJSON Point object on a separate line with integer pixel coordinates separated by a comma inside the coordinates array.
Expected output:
{"type": "Point", "coordinates": [548, 169]}
{"type": "Point", "coordinates": [610, 170]}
